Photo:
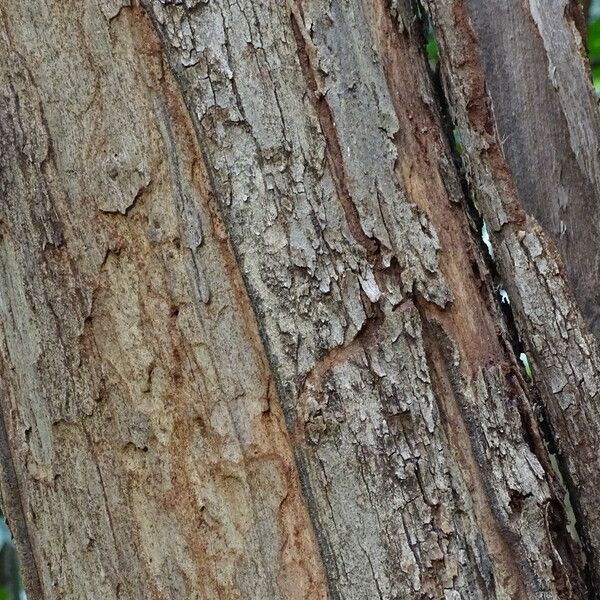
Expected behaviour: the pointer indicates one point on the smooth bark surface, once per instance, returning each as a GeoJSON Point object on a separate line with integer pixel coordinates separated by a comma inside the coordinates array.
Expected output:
{"type": "Point", "coordinates": [251, 346]}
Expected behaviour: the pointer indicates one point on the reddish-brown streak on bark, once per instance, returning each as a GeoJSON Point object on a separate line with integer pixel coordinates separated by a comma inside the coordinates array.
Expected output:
{"type": "Point", "coordinates": [419, 150]}
{"type": "Point", "coordinates": [271, 420]}
{"type": "Point", "coordinates": [478, 105]}
{"type": "Point", "coordinates": [466, 319]}
{"type": "Point", "coordinates": [498, 199]}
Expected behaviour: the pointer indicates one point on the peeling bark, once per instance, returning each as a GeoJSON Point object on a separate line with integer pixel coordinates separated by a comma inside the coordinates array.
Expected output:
{"type": "Point", "coordinates": [546, 113]}
{"type": "Point", "coordinates": [565, 354]}
{"type": "Point", "coordinates": [251, 347]}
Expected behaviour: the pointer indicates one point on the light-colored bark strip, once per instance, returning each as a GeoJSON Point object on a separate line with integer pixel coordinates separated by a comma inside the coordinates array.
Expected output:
{"type": "Point", "coordinates": [564, 353]}
{"type": "Point", "coordinates": [150, 452]}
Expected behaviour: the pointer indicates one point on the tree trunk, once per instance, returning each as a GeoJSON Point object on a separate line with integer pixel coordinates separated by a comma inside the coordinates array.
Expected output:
{"type": "Point", "coordinates": [545, 108]}
{"type": "Point", "coordinates": [565, 355]}
{"type": "Point", "coordinates": [252, 345]}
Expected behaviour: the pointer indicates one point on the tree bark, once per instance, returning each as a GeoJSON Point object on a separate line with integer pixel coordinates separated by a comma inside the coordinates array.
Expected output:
{"type": "Point", "coordinates": [545, 108]}
{"type": "Point", "coordinates": [565, 354]}
{"type": "Point", "coordinates": [252, 346]}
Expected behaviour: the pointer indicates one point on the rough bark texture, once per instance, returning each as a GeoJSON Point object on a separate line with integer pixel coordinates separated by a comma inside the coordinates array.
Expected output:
{"type": "Point", "coordinates": [565, 354]}
{"type": "Point", "coordinates": [545, 109]}
{"type": "Point", "coordinates": [150, 455]}
{"type": "Point", "coordinates": [250, 344]}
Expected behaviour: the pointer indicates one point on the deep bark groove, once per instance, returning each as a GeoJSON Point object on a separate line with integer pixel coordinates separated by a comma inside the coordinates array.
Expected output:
{"type": "Point", "coordinates": [532, 271]}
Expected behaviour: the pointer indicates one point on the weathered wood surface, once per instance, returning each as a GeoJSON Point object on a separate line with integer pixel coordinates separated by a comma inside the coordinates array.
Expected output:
{"type": "Point", "coordinates": [565, 354]}
{"type": "Point", "coordinates": [250, 346]}
{"type": "Point", "coordinates": [546, 113]}
{"type": "Point", "coordinates": [149, 450]}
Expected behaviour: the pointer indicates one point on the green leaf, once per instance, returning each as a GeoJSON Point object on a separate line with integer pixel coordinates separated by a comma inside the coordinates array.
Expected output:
{"type": "Point", "coordinates": [432, 49]}
{"type": "Point", "coordinates": [594, 40]}
{"type": "Point", "coordinates": [594, 51]}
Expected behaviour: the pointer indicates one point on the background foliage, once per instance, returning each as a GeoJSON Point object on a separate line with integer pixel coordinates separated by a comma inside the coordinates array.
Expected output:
{"type": "Point", "coordinates": [594, 41]}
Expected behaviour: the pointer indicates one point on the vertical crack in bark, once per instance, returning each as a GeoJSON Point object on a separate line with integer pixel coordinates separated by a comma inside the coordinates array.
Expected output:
{"type": "Point", "coordinates": [439, 351]}
{"type": "Point", "coordinates": [540, 435]}
{"type": "Point", "coordinates": [307, 58]}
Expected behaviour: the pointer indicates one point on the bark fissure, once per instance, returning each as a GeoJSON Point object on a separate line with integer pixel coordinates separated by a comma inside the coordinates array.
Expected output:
{"type": "Point", "coordinates": [539, 435]}
{"type": "Point", "coordinates": [334, 152]}
{"type": "Point", "coordinates": [529, 266]}
{"type": "Point", "coordinates": [437, 348]}
{"type": "Point", "coordinates": [534, 417]}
